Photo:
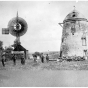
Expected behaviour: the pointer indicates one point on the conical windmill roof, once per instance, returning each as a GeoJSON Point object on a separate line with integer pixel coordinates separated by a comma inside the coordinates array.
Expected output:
{"type": "Point", "coordinates": [74, 16]}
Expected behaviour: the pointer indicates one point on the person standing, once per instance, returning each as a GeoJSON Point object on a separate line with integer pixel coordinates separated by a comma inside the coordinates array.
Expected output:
{"type": "Point", "coordinates": [47, 58]}
{"type": "Point", "coordinates": [35, 58]}
{"type": "Point", "coordinates": [14, 59]}
{"type": "Point", "coordinates": [22, 60]}
{"type": "Point", "coordinates": [3, 60]}
{"type": "Point", "coordinates": [42, 58]}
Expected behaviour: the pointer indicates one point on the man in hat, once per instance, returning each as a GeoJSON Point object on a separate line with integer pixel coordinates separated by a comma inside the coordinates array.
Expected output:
{"type": "Point", "coordinates": [3, 60]}
{"type": "Point", "coordinates": [47, 58]}
{"type": "Point", "coordinates": [42, 58]}
{"type": "Point", "coordinates": [22, 59]}
{"type": "Point", "coordinates": [14, 59]}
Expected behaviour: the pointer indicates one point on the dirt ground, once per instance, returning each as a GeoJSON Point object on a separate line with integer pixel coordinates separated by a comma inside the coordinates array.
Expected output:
{"type": "Point", "coordinates": [52, 74]}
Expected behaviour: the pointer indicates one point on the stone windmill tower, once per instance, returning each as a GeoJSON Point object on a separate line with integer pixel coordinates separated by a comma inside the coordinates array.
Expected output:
{"type": "Point", "coordinates": [74, 35]}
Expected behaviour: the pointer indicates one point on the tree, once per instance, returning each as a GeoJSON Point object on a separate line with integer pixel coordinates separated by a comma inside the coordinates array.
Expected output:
{"type": "Point", "coordinates": [36, 54]}
{"type": "Point", "coordinates": [8, 49]}
{"type": "Point", "coordinates": [1, 46]}
{"type": "Point", "coordinates": [1, 49]}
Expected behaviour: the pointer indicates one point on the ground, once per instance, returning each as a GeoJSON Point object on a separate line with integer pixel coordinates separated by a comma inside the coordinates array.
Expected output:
{"type": "Point", "coordinates": [52, 74]}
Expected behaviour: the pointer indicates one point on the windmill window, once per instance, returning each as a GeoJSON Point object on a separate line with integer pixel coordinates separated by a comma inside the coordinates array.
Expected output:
{"type": "Point", "coordinates": [83, 41]}
{"type": "Point", "coordinates": [73, 30]}
{"type": "Point", "coordinates": [85, 52]}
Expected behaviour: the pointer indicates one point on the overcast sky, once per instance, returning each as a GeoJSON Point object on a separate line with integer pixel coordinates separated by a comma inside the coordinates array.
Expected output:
{"type": "Point", "coordinates": [44, 32]}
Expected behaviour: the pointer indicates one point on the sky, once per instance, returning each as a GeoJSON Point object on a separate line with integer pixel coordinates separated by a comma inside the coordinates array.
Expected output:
{"type": "Point", "coordinates": [44, 33]}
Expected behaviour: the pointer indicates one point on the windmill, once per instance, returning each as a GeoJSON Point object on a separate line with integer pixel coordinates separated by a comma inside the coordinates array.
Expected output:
{"type": "Point", "coordinates": [73, 19]}
{"type": "Point", "coordinates": [17, 27]}
{"type": "Point", "coordinates": [74, 37]}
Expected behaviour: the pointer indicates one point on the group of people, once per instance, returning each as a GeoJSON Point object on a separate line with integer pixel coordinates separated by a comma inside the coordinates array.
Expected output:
{"type": "Point", "coordinates": [41, 58]}
{"type": "Point", "coordinates": [14, 58]}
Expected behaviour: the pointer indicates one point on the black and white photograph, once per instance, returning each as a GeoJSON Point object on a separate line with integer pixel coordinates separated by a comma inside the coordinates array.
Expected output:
{"type": "Point", "coordinates": [44, 43]}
